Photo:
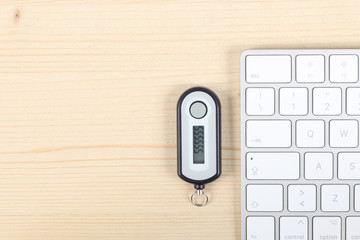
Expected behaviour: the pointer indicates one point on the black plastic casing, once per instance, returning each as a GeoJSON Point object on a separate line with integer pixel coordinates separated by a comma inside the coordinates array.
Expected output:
{"type": "Point", "coordinates": [218, 136]}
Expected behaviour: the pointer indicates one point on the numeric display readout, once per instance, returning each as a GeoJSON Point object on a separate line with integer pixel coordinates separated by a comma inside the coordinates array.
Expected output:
{"type": "Point", "coordinates": [198, 145]}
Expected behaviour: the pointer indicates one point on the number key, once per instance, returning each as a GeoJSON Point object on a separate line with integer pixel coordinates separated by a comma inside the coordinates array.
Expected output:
{"type": "Point", "coordinates": [293, 101]}
{"type": "Point", "coordinates": [327, 101]}
{"type": "Point", "coordinates": [353, 101]}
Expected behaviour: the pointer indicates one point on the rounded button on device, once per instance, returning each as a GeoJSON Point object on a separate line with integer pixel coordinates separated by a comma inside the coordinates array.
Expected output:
{"type": "Point", "coordinates": [198, 109]}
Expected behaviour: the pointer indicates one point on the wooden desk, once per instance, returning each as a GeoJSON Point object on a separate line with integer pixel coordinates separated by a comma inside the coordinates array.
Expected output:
{"type": "Point", "coordinates": [87, 108]}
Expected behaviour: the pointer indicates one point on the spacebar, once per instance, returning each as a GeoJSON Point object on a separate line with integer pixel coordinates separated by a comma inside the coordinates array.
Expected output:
{"type": "Point", "coordinates": [268, 133]}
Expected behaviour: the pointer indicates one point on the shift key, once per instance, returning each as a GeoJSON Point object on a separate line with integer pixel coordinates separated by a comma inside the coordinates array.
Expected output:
{"type": "Point", "coordinates": [268, 133]}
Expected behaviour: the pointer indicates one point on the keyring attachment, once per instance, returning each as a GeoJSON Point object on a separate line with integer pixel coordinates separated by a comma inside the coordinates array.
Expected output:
{"type": "Point", "coordinates": [199, 192]}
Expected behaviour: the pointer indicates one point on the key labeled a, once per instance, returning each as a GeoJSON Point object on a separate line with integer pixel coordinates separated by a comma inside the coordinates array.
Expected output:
{"type": "Point", "coordinates": [319, 165]}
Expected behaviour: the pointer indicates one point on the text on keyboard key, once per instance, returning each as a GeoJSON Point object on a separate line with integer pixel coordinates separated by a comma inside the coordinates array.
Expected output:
{"type": "Point", "coordinates": [349, 165]}
{"type": "Point", "coordinates": [302, 198]}
{"type": "Point", "coordinates": [260, 101]}
{"type": "Point", "coordinates": [310, 133]}
{"type": "Point", "coordinates": [326, 228]}
{"type": "Point", "coordinates": [293, 228]}
{"type": "Point", "coordinates": [352, 228]}
{"type": "Point", "coordinates": [319, 165]}
{"type": "Point", "coordinates": [265, 232]}
{"type": "Point", "coordinates": [327, 101]}
{"type": "Point", "coordinates": [310, 68]}
{"type": "Point", "coordinates": [264, 198]}
{"type": "Point", "coordinates": [335, 198]}
{"type": "Point", "coordinates": [268, 69]}
{"type": "Point", "coordinates": [344, 133]}
{"type": "Point", "coordinates": [273, 165]}
{"type": "Point", "coordinates": [262, 133]}
{"type": "Point", "coordinates": [344, 68]}
{"type": "Point", "coordinates": [293, 101]}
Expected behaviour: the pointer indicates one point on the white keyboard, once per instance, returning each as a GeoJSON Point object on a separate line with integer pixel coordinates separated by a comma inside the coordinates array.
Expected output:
{"type": "Point", "coordinates": [300, 153]}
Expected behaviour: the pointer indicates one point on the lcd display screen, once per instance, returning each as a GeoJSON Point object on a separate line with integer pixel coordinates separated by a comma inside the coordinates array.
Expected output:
{"type": "Point", "coordinates": [198, 145]}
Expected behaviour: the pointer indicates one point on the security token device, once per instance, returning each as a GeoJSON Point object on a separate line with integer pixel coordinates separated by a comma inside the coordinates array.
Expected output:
{"type": "Point", "coordinates": [199, 140]}
{"type": "Point", "coordinates": [300, 155]}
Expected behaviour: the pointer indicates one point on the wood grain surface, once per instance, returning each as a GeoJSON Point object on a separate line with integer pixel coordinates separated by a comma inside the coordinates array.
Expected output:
{"type": "Point", "coordinates": [87, 108]}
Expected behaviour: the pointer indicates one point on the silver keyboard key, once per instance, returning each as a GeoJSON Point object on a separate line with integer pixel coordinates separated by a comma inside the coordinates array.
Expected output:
{"type": "Point", "coordinates": [265, 232]}
{"type": "Point", "coordinates": [318, 165]}
{"type": "Point", "coordinates": [349, 165]}
{"type": "Point", "coordinates": [310, 68]}
{"type": "Point", "coordinates": [353, 101]}
{"type": "Point", "coordinates": [344, 68]}
{"type": "Point", "coordinates": [293, 101]}
{"type": "Point", "coordinates": [326, 228]}
{"type": "Point", "coordinates": [268, 69]}
{"type": "Point", "coordinates": [310, 133]}
{"type": "Point", "coordinates": [335, 198]}
{"type": "Point", "coordinates": [260, 133]}
{"type": "Point", "coordinates": [273, 165]}
{"type": "Point", "coordinates": [302, 198]}
{"type": "Point", "coordinates": [344, 133]}
{"type": "Point", "coordinates": [293, 228]}
{"type": "Point", "coordinates": [264, 198]}
{"type": "Point", "coordinates": [260, 101]}
{"type": "Point", "coordinates": [353, 228]}
{"type": "Point", "coordinates": [327, 101]}
{"type": "Point", "coordinates": [357, 198]}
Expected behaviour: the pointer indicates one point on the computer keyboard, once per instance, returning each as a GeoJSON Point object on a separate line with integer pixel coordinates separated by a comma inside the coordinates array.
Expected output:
{"type": "Point", "coordinates": [300, 154]}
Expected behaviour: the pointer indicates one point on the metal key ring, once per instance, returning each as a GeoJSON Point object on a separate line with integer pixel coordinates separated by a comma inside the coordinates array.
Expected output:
{"type": "Point", "coordinates": [199, 192]}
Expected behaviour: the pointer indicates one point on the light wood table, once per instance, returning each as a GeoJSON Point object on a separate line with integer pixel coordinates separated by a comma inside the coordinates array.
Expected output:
{"type": "Point", "coordinates": [87, 108]}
